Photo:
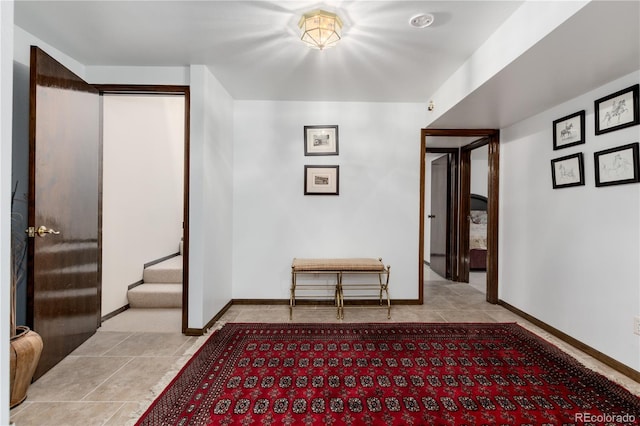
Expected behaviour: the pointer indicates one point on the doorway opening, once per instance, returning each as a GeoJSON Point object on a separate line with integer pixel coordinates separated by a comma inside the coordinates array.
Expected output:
{"type": "Point", "coordinates": [459, 146]}
{"type": "Point", "coordinates": [440, 243]}
{"type": "Point", "coordinates": [145, 202]}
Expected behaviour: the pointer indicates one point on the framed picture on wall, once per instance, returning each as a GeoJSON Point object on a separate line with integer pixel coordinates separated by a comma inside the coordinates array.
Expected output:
{"type": "Point", "coordinates": [567, 171]}
{"type": "Point", "coordinates": [617, 166]}
{"type": "Point", "coordinates": [321, 140]}
{"type": "Point", "coordinates": [617, 110]}
{"type": "Point", "coordinates": [321, 180]}
{"type": "Point", "coordinates": [568, 131]}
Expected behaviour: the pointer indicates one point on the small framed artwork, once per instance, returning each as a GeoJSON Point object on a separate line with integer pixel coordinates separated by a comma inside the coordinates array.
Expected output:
{"type": "Point", "coordinates": [568, 171]}
{"type": "Point", "coordinates": [321, 140]}
{"type": "Point", "coordinates": [568, 131]}
{"type": "Point", "coordinates": [617, 111]}
{"type": "Point", "coordinates": [617, 166]}
{"type": "Point", "coordinates": [321, 180]}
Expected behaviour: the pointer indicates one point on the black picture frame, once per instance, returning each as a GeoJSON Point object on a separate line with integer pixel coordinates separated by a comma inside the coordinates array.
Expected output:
{"type": "Point", "coordinates": [321, 180]}
{"type": "Point", "coordinates": [321, 140]}
{"type": "Point", "coordinates": [567, 171]}
{"type": "Point", "coordinates": [617, 110]}
{"type": "Point", "coordinates": [617, 166]}
{"type": "Point", "coordinates": [569, 130]}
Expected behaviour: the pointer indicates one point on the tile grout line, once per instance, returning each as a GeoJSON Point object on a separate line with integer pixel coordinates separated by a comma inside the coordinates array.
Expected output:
{"type": "Point", "coordinates": [83, 399]}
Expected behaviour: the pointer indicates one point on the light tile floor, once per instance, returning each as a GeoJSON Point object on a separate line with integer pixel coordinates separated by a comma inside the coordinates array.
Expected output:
{"type": "Point", "coordinates": [117, 373]}
{"type": "Point", "coordinates": [478, 280]}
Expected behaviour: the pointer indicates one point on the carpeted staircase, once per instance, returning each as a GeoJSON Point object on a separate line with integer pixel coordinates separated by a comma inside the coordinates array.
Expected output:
{"type": "Point", "coordinates": [162, 285]}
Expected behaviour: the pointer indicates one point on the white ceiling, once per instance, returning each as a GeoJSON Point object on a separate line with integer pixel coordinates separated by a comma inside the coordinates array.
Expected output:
{"type": "Point", "coordinates": [252, 48]}
{"type": "Point", "coordinates": [600, 43]}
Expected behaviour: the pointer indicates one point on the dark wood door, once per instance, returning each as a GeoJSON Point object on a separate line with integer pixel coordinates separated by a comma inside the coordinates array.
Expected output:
{"type": "Point", "coordinates": [63, 259]}
{"type": "Point", "coordinates": [439, 215]}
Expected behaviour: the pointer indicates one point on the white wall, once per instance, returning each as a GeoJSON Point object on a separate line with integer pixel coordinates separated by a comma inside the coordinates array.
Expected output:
{"type": "Point", "coordinates": [211, 196]}
{"type": "Point", "coordinates": [137, 75]}
{"type": "Point", "coordinates": [480, 171]}
{"type": "Point", "coordinates": [143, 178]}
{"type": "Point", "coordinates": [20, 174]}
{"type": "Point", "coordinates": [375, 215]}
{"type": "Point", "coordinates": [570, 256]}
{"type": "Point", "coordinates": [6, 101]}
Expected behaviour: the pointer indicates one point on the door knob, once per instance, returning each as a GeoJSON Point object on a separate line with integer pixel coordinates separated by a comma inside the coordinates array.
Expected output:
{"type": "Point", "coordinates": [431, 216]}
{"type": "Point", "coordinates": [43, 231]}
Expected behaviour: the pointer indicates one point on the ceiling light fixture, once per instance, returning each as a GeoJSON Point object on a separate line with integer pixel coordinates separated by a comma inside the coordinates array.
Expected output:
{"type": "Point", "coordinates": [421, 21]}
{"type": "Point", "coordinates": [320, 29]}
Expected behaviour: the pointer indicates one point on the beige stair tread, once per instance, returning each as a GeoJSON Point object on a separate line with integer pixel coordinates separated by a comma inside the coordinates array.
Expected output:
{"type": "Point", "coordinates": [168, 271]}
{"type": "Point", "coordinates": [157, 287]}
{"type": "Point", "coordinates": [171, 263]}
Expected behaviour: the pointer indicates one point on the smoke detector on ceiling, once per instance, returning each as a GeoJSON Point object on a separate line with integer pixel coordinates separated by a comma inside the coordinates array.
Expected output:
{"type": "Point", "coordinates": [421, 21]}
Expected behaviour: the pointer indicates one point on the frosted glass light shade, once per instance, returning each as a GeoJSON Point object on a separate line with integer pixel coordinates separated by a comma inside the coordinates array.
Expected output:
{"type": "Point", "coordinates": [320, 29]}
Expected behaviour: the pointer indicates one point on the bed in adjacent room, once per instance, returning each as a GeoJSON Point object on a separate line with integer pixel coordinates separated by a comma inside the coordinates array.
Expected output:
{"type": "Point", "coordinates": [478, 233]}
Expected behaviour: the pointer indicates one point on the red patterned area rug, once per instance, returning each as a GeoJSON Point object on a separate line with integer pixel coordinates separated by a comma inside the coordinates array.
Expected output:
{"type": "Point", "coordinates": [387, 374]}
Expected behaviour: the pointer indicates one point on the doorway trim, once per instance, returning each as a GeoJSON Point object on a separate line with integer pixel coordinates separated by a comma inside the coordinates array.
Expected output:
{"type": "Point", "coordinates": [131, 89]}
{"type": "Point", "coordinates": [493, 136]}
